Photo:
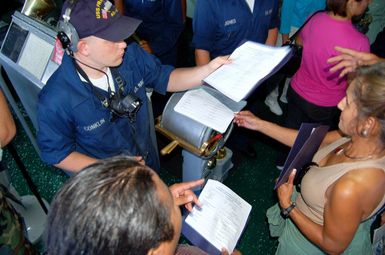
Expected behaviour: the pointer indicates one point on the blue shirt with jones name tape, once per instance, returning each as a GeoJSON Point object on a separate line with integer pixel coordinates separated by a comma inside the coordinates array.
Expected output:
{"type": "Point", "coordinates": [221, 25]}
{"type": "Point", "coordinates": [71, 117]}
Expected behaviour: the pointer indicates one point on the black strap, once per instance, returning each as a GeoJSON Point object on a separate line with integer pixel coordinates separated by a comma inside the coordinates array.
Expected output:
{"type": "Point", "coordinates": [381, 210]}
{"type": "Point", "coordinates": [104, 100]}
{"type": "Point", "coordinates": [26, 176]}
{"type": "Point", "coordinates": [294, 36]}
{"type": "Point", "coordinates": [115, 74]}
{"type": "Point", "coordinates": [118, 79]}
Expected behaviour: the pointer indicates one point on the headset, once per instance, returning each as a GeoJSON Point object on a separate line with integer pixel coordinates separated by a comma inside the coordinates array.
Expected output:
{"type": "Point", "coordinates": [67, 35]}
{"type": "Point", "coordinates": [123, 106]}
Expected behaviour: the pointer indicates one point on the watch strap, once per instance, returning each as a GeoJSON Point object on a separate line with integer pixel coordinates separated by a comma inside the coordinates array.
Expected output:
{"type": "Point", "coordinates": [286, 211]}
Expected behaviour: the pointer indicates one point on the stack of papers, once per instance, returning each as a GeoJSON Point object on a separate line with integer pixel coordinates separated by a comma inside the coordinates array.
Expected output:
{"type": "Point", "coordinates": [252, 63]}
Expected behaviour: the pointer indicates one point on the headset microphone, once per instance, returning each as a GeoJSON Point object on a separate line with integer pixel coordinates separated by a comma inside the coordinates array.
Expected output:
{"type": "Point", "coordinates": [65, 42]}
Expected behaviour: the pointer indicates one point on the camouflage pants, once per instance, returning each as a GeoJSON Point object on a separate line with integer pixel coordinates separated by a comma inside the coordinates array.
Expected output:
{"type": "Point", "coordinates": [12, 239]}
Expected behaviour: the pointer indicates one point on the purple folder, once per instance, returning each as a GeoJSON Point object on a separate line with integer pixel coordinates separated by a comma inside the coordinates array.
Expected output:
{"type": "Point", "coordinates": [309, 138]}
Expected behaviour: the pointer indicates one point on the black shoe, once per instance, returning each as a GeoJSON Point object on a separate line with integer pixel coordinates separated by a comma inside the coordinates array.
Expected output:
{"type": "Point", "coordinates": [247, 151]}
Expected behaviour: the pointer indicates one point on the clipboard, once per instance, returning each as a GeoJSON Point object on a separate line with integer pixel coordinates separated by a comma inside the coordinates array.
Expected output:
{"type": "Point", "coordinates": [309, 138]}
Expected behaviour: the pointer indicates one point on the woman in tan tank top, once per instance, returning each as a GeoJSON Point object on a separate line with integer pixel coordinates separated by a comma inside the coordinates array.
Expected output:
{"type": "Point", "coordinates": [348, 185]}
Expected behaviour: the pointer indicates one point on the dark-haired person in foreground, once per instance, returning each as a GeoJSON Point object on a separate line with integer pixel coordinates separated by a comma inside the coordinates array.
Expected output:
{"type": "Point", "coordinates": [118, 206]}
{"type": "Point", "coordinates": [345, 188]}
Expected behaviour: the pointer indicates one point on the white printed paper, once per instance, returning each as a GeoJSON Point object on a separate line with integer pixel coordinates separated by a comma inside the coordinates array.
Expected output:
{"type": "Point", "coordinates": [251, 62]}
{"type": "Point", "coordinates": [222, 217]}
{"type": "Point", "coordinates": [204, 108]}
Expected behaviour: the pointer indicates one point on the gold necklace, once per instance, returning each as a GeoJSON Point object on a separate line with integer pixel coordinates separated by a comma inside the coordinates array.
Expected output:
{"type": "Point", "coordinates": [341, 150]}
{"type": "Point", "coordinates": [357, 158]}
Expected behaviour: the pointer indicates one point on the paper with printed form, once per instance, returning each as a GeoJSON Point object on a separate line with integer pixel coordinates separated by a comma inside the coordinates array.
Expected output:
{"type": "Point", "coordinates": [221, 220]}
{"type": "Point", "coordinates": [200, 106]}
{"type": "Point", "coordinates": [251, 64]}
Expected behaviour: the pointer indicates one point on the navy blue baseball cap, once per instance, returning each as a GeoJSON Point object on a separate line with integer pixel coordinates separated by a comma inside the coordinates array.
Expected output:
{"type": "Point", "coordinates": [99, 18]}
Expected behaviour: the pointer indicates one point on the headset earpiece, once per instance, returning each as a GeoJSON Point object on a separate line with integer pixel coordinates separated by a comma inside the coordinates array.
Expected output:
{"type": "Point", "coordinates": [67, 34]}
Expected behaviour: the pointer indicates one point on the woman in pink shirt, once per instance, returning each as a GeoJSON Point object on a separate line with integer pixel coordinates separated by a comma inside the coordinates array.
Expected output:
{"type": "Point", "coordinates": [315, 91]}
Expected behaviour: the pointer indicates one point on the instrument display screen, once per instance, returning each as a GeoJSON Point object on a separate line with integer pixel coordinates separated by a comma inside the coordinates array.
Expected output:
{"type": "Point", "coordinates": [14, 42]}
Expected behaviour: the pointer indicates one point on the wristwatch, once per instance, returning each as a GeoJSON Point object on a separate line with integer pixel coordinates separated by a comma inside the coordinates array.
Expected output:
{"type": "Point", "coordinates": [286, 211]}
